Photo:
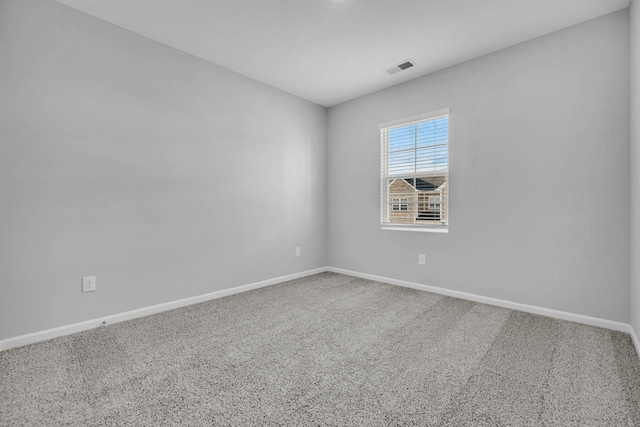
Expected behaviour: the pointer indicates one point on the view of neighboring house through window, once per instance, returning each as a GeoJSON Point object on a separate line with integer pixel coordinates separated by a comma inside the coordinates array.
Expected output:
{"type": "Point", "coordinates": [415, 171]}
{"type": "Point", "coordinates": [400, 204]}
{"type": "Point", "coordinates": [434, 202]}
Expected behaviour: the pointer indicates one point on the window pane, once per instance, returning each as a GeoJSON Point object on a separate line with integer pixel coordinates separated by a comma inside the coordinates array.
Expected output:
{"type": "Point", "coordinates": [401, 200]}
{"type": "Point", "coordinates": [402, 138]}
{"type": "Point", "coordinates": [418, 200]}
{"type": "Point", "coordinates": [402, 162]}
{"type": "Point", "coordinates": [432, 158]}
{"type": "Point", "coordinates": [431, 193]}
{"type": "Point", "coordinates": [432, 132]}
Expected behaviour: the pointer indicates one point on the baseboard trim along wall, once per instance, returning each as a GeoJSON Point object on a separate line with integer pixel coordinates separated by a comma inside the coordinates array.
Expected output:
{"type": "Point", "coordinates": [636, 342]}
{"type": "Point", "coordinates": [563, 315]}
{"type": "Point", "coordinates": [145, 311]}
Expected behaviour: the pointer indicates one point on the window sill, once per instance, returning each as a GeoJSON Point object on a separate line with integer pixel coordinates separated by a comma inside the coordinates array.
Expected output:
{"type": "Point", "coordinates": [419, 228]}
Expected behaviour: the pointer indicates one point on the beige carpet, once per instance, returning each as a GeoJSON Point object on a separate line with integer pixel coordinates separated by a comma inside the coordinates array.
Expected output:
{"type": "Point", "coordinates": [327, 350]}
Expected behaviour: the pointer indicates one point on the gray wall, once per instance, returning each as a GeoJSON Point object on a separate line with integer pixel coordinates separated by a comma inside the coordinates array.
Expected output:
{"type": "Point", "coordinates": [635, 165]}
{"type": "Point", "coordinates": [163, 175]}
{"type": "Point", "coordinates": [539, 179]}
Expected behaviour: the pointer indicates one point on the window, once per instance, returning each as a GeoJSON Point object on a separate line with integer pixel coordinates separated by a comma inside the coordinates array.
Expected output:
{"type": "Point", "coordinates": [415, 172]}
{"type": "Point", "coordinates": [434, 202]}
{"type": "Point", "coordinates": [400, 204]}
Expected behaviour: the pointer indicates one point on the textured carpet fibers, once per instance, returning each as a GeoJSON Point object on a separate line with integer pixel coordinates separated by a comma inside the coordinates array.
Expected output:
{"type": "Point", "coordinates": [327, 350]}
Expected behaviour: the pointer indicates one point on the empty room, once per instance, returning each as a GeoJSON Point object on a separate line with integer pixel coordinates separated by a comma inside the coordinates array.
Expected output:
{"type": "Point", "coordinates": [320, 212]}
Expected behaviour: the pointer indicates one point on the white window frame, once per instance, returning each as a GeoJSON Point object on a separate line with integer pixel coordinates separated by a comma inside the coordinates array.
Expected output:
{"type": "Point", "coordinates": [385, 208]}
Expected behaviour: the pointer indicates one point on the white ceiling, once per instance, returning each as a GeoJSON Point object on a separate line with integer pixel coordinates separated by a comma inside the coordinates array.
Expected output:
{"type": "Point", "coordinates": [330, 51]}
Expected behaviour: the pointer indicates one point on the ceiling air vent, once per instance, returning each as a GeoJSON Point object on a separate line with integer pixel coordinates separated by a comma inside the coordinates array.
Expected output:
{"type": "Point", "coordinates": [400, 67]}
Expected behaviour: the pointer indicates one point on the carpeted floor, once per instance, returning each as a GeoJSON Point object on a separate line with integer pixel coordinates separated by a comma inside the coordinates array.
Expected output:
{"type": "Point", "coordinates": [327, 350]}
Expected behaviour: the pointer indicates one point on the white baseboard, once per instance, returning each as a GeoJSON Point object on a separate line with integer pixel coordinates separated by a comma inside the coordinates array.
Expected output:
{"type": "Point", "coordinates": [578, 318]}
{"type": "Point", "coordinates": [635, 340]}
{"type": "Point", "coordinates": [145, 311]}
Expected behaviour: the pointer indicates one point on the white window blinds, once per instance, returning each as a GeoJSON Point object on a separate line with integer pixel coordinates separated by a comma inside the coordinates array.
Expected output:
{"type": "Point", "coordinates": [415, 171]}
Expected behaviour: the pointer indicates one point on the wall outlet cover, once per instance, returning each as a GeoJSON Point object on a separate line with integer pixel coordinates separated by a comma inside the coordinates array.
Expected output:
{"type": "Point", "coordinates": [88, 283]}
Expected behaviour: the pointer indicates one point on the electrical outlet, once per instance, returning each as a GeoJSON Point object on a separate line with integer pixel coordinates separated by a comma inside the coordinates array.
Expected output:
{"type": "Point", "coordinates": [298, 251]}
{"type": "Point", "coordinates": [422, 259]}
{"type": "Point", "coordinates": [88, 283]}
